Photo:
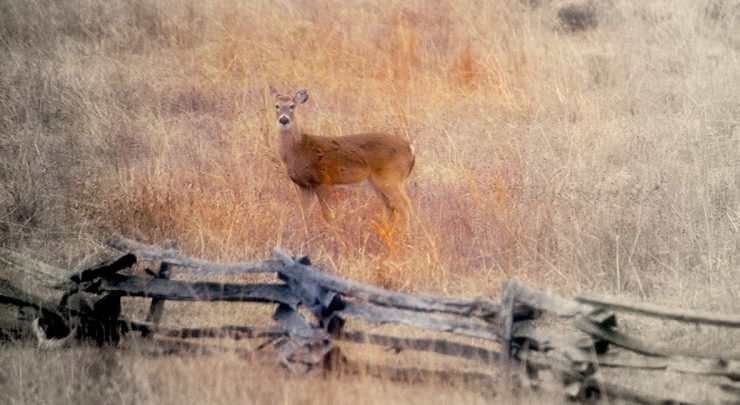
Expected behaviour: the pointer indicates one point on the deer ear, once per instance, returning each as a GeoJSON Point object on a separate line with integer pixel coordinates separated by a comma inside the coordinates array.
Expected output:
{"type": "Point", "coordinates": [301, 96]}
{"type": "Point", "coordinates": [273, 91]}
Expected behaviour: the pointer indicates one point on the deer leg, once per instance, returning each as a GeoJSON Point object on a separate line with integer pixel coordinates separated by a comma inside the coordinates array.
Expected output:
{"type": "Point", "coordinates": [322, 192]}
{"type": "Point", "coordinates": [306, 198]}
{"type": "Point", "coordinates": [395, 199]}
{"type": "Point", "coordinates": [401, 206]}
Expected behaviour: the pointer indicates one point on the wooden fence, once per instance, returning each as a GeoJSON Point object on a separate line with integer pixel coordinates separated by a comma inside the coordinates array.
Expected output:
{"type": "Point", "coordinates": [303, 345]}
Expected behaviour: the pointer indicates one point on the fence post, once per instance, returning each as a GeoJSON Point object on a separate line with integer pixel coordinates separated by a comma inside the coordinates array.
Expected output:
{"type": "Point", "coordinates": [508, 296]}
{"type": "Point", "coordinates": [157, 307]}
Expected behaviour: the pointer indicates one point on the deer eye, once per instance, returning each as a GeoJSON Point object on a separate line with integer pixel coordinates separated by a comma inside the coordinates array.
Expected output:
{"type": "Point", "coordinates": [277, 107]}
{"type": "Point", "coordinates": [292, 106]}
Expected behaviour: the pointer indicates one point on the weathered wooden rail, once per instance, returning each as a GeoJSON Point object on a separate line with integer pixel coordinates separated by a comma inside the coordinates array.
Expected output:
{"type": "Point", "coordinates": [86, 305]}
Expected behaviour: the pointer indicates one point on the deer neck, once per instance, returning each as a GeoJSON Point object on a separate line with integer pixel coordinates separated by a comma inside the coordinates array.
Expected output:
{"type": "Point", "coordinates": [290, 139]}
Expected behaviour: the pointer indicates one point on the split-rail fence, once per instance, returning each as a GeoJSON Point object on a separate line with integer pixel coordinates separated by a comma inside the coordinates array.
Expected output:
{"type": "Point", "coordinates": [90, 309]}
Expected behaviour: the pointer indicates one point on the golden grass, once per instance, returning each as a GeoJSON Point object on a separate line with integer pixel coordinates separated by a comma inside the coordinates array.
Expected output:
{"type": "Point", "coordinates": [88, 375]}
{"type": "Point", "coordinates": [603, 160]}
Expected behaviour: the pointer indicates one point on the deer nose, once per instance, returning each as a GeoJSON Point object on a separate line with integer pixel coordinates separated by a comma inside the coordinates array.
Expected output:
{"type": "Point", "coordinates": [284, 120]}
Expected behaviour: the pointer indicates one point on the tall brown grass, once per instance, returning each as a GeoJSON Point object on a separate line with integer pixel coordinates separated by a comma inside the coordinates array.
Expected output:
{"type": "Point", "coordinates": [603, 160]}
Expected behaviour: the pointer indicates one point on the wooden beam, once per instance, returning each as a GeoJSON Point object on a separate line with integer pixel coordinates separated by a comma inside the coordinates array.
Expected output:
{"type": "Point", "coordinates": [681, 315]}
{"type": "Point", "coordinates": [733, 389]}
{"type": "Point", "coordinates": [193, 291]}
{"type": "Point", "coordinates": [156, 309]}
{"type": "Point", "coordinates": [28, 274]}
{"type": "Point", "coordinates": [44, 274]}
{"type": "Point", "coordinates": [616, 391]}
{"type": "Point", "coordinates": [561, 367]}
{"type": "Point", "coordinates": [416, 375]}
{"type": "Point", "coordinates": [381, 315]}
{"type": "Point", "coordinates": [27, 282]}
{"type": "Point", "coordinates": [164, 347]}
{"type": "Point", "coordinates": [685, 365]}
{"type": "Point", "coordinates": [546, 302]}
{"type": "Point", "coordinates": [293, 323]}
{"type": "Point", "coordinates": [576, 348]}
{"type": "Point", "coordinates": [11, 294]}
{"type": "Point", "coordinates": [439, 346]}
{"type": "Point", "coordinates": [227, 331]}
{"type": "Point", "coordinates": [195, 266]}
{"type": "Point", "coordinates": [508, 297]}
{"type": "Point", "coordinates": [636, 345]}
{"type": "Point", "coordinates": [480, 307]}
{"type": "Point", "coordinates": [313, 296]}
{"type": "Point", "coordinates": [105, 268]}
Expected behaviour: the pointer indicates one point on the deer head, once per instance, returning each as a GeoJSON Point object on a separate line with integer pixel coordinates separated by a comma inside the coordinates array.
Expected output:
{"type": "Point", "coordinates": [285, 107]}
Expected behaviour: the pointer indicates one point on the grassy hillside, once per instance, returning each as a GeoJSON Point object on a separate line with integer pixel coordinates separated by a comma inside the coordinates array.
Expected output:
{"type": "Point", "coordinates": [604, 159]}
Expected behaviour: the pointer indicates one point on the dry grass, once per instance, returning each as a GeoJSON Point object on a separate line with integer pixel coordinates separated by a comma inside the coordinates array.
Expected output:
{"type": "Point", "coordinates": [602, 160]}
{"type": "Point", "coordinates": [129, 379]}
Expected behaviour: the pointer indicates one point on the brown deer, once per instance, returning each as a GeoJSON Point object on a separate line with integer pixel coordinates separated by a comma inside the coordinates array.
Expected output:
{"type": "Point", "coordinates": [316, 163]}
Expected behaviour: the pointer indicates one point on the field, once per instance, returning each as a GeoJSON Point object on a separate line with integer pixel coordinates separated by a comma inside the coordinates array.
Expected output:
{"type": "Point", "coordinates": [603, 159]}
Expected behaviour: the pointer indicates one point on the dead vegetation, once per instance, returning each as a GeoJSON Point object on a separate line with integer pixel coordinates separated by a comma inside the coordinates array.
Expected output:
{"type": "Point", "coordinates": [602, 161]}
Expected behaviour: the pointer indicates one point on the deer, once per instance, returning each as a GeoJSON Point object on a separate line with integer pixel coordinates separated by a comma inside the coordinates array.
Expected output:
{"type": "Point", "coordinates": [316, 163]}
